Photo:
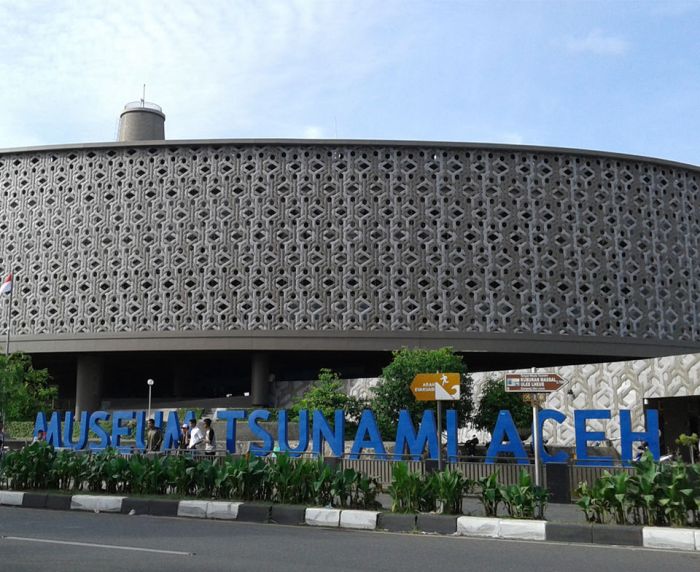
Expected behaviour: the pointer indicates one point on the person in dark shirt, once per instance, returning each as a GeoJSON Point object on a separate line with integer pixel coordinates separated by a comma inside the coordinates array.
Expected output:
{"type": "Point", "coordinates": [154, 437]}
{"type": "Point", "coordinates": [209, 438]}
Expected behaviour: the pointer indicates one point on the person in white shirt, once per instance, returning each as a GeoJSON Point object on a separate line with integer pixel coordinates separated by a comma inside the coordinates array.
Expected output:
{"type": "Point", "coordinates": [196, 435]}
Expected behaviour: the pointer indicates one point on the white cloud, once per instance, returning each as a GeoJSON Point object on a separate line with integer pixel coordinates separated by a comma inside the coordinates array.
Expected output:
{"type": "Point", "coordinates": [219, 68]}
{"type": "Point", "coordinates": [597, 43]}
{"type": "Point", "coordinates": [313, 132]}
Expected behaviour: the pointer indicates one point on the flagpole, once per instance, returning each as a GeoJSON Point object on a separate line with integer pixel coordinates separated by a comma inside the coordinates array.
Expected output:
{"type": "Point", "coordinates": [9, 315]}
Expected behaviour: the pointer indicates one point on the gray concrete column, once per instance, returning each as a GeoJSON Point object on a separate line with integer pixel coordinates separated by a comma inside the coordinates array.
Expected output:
{"type": "Point", "coordinates": [88, 383]}
{"type": "Point", "coordinates": [260, 378]}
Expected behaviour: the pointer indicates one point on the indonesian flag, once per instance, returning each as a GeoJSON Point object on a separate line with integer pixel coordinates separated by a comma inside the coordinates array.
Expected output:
{"type": "Point", "coordinates": [6, 287]}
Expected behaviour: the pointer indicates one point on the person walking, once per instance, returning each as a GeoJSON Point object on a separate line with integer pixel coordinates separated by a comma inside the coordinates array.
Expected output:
{"type": "Point", "coordinates": [209, 438]}
{"type": "Point", "coordinates": [184, 437]}
{"type": "Point", "coordinates": [196, 436]}
{"type": "Point", "coordinates": [154, 436]}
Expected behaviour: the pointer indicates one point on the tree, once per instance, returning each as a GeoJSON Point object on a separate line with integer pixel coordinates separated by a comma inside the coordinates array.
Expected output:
{"type": "Point", "coordinates": [326, 395]}
{"type": "Point", "coordinates": [494, 398]}
{"type": "Point", "coordinates": [394, 392]}
{"type": "Point", "coordinates": [24, 391]}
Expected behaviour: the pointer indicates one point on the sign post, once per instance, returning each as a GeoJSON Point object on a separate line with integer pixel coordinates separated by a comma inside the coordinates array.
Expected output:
{"type": "Point", "coordinates": [437, 387]}
{"type": "Point", "coordinates": [534, 384]}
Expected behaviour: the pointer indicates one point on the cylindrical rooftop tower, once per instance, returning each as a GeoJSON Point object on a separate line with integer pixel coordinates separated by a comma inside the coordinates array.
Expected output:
{"type": "Point", "coordinates": [142, 121]}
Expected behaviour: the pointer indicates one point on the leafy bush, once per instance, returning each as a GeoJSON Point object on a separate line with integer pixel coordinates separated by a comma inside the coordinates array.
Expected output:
{"type": "Point", "coordinates": [523, 500]}
{"type": "Point", "coordinates": [24, 390]}
{"type": "Point", "coordinates": [490, 493]}
{"type": "Point", "coordinates": [409, 491]}
{"type": "Point", "coordinates": [283, 479]}
{"type": "Point", "coordinates": [655, 494]}
{"type": "Point", "coordinates": [450, 487]}
{"type": "Point", "coordinates": [326, 395]}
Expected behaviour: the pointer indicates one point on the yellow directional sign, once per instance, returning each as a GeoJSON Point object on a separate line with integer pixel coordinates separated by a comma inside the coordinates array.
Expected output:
{"type": "Point", "coordinates": [436, 386]}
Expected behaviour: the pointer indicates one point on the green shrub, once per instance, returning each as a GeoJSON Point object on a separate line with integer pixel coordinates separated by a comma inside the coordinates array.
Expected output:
{"type": "Point", "coordinates": [655, 494]}
{"type": "Point", "coordinates": [523, 500]}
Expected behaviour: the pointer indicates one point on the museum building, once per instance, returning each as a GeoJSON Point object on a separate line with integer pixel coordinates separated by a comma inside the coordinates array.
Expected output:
{"type": "Point", "coordinates": [223, 268]}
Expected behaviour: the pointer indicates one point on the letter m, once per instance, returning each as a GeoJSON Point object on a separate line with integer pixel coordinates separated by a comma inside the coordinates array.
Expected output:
{"type": "Point", "coordinates": [406, 436]}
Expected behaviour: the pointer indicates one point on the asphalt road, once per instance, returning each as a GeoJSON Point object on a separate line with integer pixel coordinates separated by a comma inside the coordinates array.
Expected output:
{"type": "Point", "coordinates": [77, 542]}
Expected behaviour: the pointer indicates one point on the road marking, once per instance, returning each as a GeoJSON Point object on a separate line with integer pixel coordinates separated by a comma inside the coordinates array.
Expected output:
{"type": "Point", "coordinates": [91, 545]}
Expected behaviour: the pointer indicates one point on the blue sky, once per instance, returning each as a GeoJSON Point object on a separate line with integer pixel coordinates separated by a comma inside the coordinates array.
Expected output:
{"type": "Point", "coordinates": [615, 76]}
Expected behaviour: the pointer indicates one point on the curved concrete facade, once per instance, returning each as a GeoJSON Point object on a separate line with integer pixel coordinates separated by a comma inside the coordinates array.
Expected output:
{"type": "Point", "coordinates": [348, 245]}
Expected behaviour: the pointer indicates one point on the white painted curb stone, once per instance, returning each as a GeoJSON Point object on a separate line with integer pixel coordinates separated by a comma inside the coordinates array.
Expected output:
{"type": "Point", "coordinates": [192, 508]}
{"type": "Point", "coordinates": [697, 540]}
{"type": "Point", "coordinates": [478, 526]}
{"type": "Point", "coordinates": [222, 510]}
{"type": "Point", "coordinates": [11, 498]}
{"type": "Point", "coordinates": [322, 516]}
{"type": "Point", "coordinates": [676, 538]}
{"type": "Point", "coordinates": [522, 529]}
{"type": "Point", "coordinates": [96, 503]}
{"type": "Point", "coordinates": [362, 519]}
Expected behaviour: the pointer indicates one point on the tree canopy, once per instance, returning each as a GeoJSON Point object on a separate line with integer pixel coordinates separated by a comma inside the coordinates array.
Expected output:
{"type": "Point", "coordinates": [493, 399]}
{"type": "Point", "coordinates": [24, 391]}
{"type": "Point", "coordinates": [394, 392]}
{"type": "Point", "coordinates": [327, 395]}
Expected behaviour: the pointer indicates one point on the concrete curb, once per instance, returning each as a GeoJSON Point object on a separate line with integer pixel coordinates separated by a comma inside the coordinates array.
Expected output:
{"type": "Point", "coordinates": [359, 519]}
{"type": "Point", "coordinates": [674, 539]}
{"type": "Point", "coordinates": [11, 498]}
{"type": "Point", "coordinates": [322, 517]}
{"type": "Point", "coordinates": [510, 528]}
{"type": "Point", "coordinates": [96, 503]}
{"type": "Point", "coordinates": [685, 539]}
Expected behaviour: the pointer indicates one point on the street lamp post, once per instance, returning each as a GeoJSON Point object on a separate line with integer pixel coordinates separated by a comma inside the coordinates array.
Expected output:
{"type": "Point", "coordinates": [150, 383]}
